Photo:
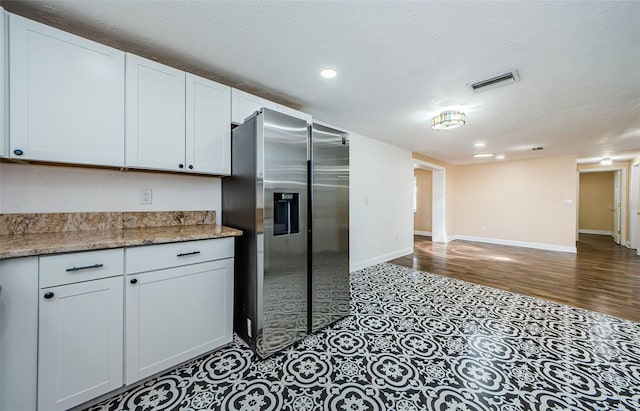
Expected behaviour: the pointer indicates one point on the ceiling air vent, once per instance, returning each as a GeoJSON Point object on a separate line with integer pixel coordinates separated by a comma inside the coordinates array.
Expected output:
{"type": "Point", "coordinates": [493, 82]}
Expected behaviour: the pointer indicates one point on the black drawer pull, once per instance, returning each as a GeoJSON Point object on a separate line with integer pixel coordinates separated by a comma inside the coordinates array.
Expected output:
{"type": "Point", "coordinates": [86, 267]}
{"type": "Point", "coordinates": [133, 280]}
{"type": "Point", "coordinates": [18, 152]}
{"type": "Point", "coordinates": [48, 295]}
{"type": "Point", "coordinates": [191, 253]}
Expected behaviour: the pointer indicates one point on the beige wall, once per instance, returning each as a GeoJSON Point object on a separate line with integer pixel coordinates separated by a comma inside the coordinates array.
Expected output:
{"type": "Point", "coordinates": [422, 216]}
{"type": "Point", "coordinates": [516, 200]}
{"type": "Point", "coordinates": [596, 200]}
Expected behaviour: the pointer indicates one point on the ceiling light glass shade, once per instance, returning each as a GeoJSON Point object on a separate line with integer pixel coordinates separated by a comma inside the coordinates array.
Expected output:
{"type": "Point", "coordinates": [606, 162]}
{"type": "Point", "coordinates": [448, 120]}
{"type": "Point", "coordinates": [328, 73]}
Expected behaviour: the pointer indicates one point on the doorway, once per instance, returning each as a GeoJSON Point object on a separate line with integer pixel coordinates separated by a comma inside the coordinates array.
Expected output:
{"type": "Point", "coordinates": [438, 177]}
{"type": "Point", "coordinates": [602, 201]}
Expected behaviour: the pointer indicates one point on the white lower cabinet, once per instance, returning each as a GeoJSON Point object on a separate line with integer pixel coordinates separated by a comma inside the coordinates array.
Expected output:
{"type": "Point", "coordinates": [80, 342]}
{"type": "Point", "coordinates": [80, 327]}
{"type": "Point", "coordinates": [175, 314]}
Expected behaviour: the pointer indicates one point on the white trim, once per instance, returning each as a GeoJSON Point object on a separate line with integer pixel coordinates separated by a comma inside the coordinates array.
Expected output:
{"type": "Point", "coordinates": [599, 232]}
{"type": "Point", "coordinates": [380, 259]}
{"type": "Point", "coordinates": [539, 246]}
{"type": "Point", "coordinates": [438, 198]}
{"type": "Point", "coordinates": [425, 233]}
{"type": "Point", "coordinates": [451, 238]}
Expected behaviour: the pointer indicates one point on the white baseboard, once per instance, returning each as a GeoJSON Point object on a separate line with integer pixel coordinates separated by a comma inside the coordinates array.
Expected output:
{"type": "Point", "coordinates": [425, 233]}
{"type": "Point", "coordinates": [539, 246]}
{"type": "Point", "coordinates": [451, 238]}
{"type": "Point", "coordinates": [379, 259]}
{"type": "Point", "coordinates": [599, 232]}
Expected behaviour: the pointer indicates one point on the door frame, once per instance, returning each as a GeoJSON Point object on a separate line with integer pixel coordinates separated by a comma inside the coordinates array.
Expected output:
{"type": "Point", "coordinates": [634, 207]}
{"type": "Point", "coordinates": [438, 199]}
{"type": "Point", "coordinates": [624, 239]}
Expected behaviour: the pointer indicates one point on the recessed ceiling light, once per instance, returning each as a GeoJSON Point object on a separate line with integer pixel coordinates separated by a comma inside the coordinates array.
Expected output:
{"type": "Point", "coordinates": [328, 73]}
{"type": "Point", "coordinates": [479, 145]}
{"type": "Point", "coordinates": [483, 155]}
{"type": "Point", "coordinates": [500, 157]}
{"type": "Point", "coordinates": [606, 162]}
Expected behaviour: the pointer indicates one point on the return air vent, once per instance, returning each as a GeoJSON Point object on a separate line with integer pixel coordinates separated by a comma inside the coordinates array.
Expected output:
{"type": "Point", "coordinates": [497, 81]}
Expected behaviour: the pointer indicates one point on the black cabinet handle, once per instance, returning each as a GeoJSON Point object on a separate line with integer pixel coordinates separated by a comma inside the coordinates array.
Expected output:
{"type": "Point", "coordinates": [133, 280]}
{"type": "Point", "coordinates": [48, 294]}
{"type": "Point", "coordinates": [190, 166]}
{"type": "Point", "coordinates": [86, 267]}
{"type": "Point", "coordinates": [18, 152]}
{"type": "Point", "coordinates": [191, 253]}
{"type": "Point", "coordinates": [180, 165]}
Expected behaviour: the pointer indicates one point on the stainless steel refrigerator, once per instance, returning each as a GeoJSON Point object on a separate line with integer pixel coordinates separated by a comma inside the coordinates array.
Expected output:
{"type": "Point", "coordinates": [289, 280]}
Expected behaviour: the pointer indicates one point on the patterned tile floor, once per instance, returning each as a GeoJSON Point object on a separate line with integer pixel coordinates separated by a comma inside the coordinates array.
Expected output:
{"type": "Point", "coordinates": [419, 341]}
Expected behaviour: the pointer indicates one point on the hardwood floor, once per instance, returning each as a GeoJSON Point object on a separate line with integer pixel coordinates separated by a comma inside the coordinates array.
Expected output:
{"type": "Point", "coordinates": [602, 276]}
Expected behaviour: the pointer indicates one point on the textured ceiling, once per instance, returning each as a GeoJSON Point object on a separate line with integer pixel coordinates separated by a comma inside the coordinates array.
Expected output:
{"type": "Point", "coordinates": [399, 63]}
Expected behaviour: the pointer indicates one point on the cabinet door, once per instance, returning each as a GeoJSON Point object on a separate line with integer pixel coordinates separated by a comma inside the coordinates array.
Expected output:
{"type": "Point", "coordinates": [295, 113]}
{"type": "Point", "coordinates": [67, 96]}
{"type": "Point", "coordinates": [18, 333]}
{"type": "Point", "coordinates": [208, 124]}
{"type": "Point", "coordinates": [4, 147]}
{"type": "Point", "coordinates": [244, 105]}
{"type": "Point", "coordinates": [80, 342]}
{"type": "Point", "coordinates": [155, 115]}
{"type": "Point", "coordinates": [176, 314]}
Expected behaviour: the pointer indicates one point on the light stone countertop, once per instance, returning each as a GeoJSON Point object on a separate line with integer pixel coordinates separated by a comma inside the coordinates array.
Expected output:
{"type": "Point", "coordinates": [23, 245]}
{"type": "Point", "coordinates": [23, 235]}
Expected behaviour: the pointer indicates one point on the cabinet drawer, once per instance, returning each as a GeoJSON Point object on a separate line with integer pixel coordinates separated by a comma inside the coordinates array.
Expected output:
{"type": "Point", "coordinates": [154, 257]}
{"type": "Point", "coordinates": [76, 267]}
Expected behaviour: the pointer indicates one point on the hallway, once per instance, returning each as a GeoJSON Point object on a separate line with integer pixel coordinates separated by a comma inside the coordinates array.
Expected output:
{"type": "Point", "coordinates": [602, 276]}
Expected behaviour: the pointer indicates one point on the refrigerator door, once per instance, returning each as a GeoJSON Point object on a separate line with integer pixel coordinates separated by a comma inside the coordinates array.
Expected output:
{"type": "Point", "coordinates": [282, 170]}
{"type": "Point", "coordinates": [330, 226]}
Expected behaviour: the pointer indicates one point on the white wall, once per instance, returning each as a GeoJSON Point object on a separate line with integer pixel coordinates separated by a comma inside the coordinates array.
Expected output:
{"type": "Point", "coordinates": [29, 188]}
{"type": "Point", "coordinates": [381, 202]}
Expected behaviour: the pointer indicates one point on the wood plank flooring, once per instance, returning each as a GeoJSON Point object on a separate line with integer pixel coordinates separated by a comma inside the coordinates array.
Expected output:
{"type": "Point", "coordinates": [602, 276]}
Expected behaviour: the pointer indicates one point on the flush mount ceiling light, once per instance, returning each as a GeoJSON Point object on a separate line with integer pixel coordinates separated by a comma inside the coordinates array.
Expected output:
{"type": "Point", "coordinates": [448, 120]}
{"type": "Point", "coordinates": [500, 157]}
{"type": "Point", "coordinates": [483, 155]}
{"type": "Point", "coordinates": [328, 73]}
{"type": "Point", "coordinates": [606, 162]}
{"type": "Point", "coordinates": [479, 145]}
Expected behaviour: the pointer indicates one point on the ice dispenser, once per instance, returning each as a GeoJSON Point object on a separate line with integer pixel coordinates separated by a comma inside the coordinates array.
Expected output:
{"type": "Point", "coordinates": [286, 210]}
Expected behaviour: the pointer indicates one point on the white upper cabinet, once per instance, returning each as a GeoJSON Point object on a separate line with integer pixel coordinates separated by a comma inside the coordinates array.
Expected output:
{"type": "Point", "coordinates": [66, 96]}
{"type": "Point", "coordinates": [208, 115]}
{"type": "Point", "coordinates": [155, 126]}
{"type": "Point", "coordinates": [4, 147]}
{"type": "Point", "coordinates": [295, 113]}
{"type": "Point", "coordinates": [244, 105]}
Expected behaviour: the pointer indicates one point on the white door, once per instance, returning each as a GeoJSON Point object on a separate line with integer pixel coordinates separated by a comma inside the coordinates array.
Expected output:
{"type": "Point", "coordinates": [155, 122]}
{"type": "Point", "coordinates": [208, 126]}
{"type": "Point", "coordinates": [616, 207]}
{"type": "Point", "coordinates": [67, 96]}
{"type": "Point", "coordinates": [634, 213]}
{"type": "Point", "coordinates": [176, 314]}
{"type": "Point", "coordinates": [80, 342]}
{"type": "Point", "coordinates": [243, 105]}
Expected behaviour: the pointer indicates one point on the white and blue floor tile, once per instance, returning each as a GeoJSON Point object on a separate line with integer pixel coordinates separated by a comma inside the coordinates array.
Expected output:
{"type": "Point", "coordinates": [419, 341]}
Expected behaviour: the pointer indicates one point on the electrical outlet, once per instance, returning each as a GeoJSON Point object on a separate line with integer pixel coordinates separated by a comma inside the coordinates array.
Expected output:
{"type": "Point", "coordinates": [146, 196]}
